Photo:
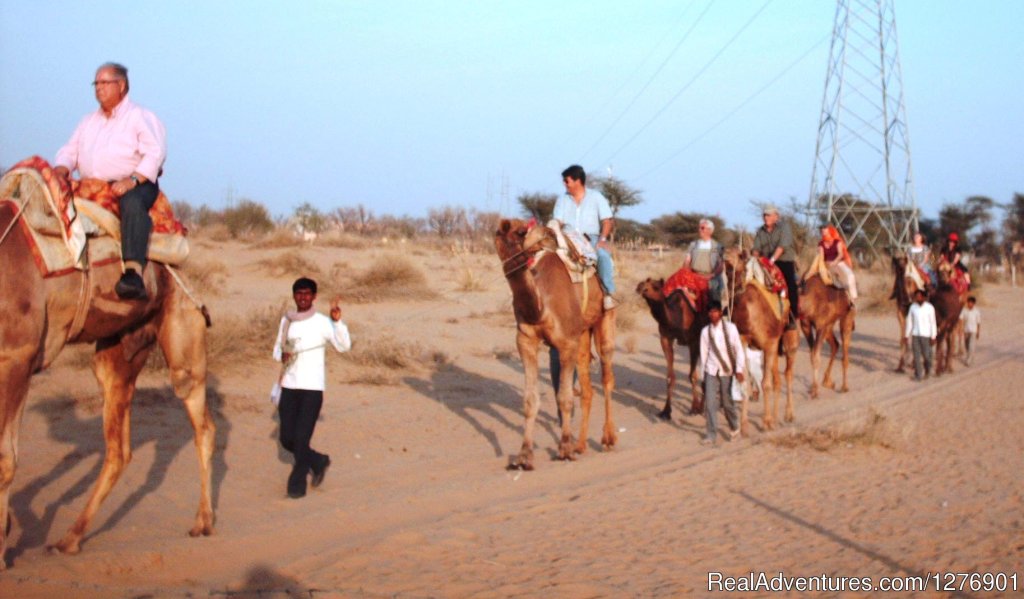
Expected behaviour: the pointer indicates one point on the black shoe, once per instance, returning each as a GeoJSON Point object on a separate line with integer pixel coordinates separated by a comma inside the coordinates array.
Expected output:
{"type": "Point", "coordinates": [130, 286]}
{"type": "Point", "coordinates": [296, 493]}
{"type": "Point", "coordinates": [318, 475]}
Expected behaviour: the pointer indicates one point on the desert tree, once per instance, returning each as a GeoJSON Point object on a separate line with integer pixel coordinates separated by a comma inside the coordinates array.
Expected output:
{"type": "Point", "coordinates": [538, 205]}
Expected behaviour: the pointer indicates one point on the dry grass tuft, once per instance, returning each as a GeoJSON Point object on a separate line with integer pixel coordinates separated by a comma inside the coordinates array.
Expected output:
{"type": "Point", "coordinates": [874, 431]}
{"type": "Point", "coordinates": [386, 351]}
{"type": "Point", "coordinates": [280, 237]}
{"type": "Point", "coordinates": [292, 263]}
{"type": "Point", "coordinates": [206, 276]}
{"type": "Point", "coordinates": [235, 340]}
{"type": "Point", "coordinates": [345, 241]}
{"type": "Point", "coordinates": [389, 277]}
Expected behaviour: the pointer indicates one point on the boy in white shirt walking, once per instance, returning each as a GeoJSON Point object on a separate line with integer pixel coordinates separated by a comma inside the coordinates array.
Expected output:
{"type": "Point", "coordinates": [722, 355]}
{"type": "Point", "coordinates": [301, 341]}
{"type": "Point", "coordinates": [921, 330]}
{"type": "Point", "coordinates": [971, 316]}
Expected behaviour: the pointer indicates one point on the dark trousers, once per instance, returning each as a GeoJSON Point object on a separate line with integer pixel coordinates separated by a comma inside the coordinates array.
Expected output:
{"type": "Point", "coordinates": [299, 410]}
{"type": "Point", "coordinates": [788, 269]}
{"type": "Point", "coordinates": [136, 225]}
{"type": "Point", "coordinates": [556, 376]}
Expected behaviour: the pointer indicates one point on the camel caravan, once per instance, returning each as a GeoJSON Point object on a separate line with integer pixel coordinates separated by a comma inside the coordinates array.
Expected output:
{"type": "Point", "coordinates": [557, 301]}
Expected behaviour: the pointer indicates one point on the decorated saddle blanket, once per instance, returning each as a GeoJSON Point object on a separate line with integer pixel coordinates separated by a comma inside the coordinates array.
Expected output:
{"type": "Point", "coordinates": [778, 303]}
{"type": "Point", "coordinates": [960, 282]}
{"type": "Point", "coordinates": [692, 284]}
{"type": "Point", "coordinates": [767, 274]}
{"type": "Point", "coordinates": [58, 219]}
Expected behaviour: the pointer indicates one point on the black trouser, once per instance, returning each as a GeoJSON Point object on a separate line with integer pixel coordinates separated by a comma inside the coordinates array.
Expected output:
{"type": "Point", "coordinates": [788, 269]}
{"type": "Point", "coordinates": [299, 410]}
{"type": "Point", "coordinates": [136, 225]}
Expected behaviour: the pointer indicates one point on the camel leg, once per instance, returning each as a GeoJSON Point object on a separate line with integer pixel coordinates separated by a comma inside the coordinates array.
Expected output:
{"type": "Point", "coordinates": [15, 374]}
{"type": "Point", "coordinates": [846, 329]}
{"type": "Point", "coordinates": [586, 399]}
{"type": "Point", "coordinates": [531, 403]}
{"type": "Point", "coordinates": [697, 405]}
{"type": "Point", "coordinates": [771, 387]}
{"type": "Point", "coordinates": [815, 362]}
{"type": "Point", "coordinates": [833, 345]}
{"type": "Point", "coordinates": [116, 375]}
{"type": "Point", "coordinates": [669, 351]}
{"type": "Point", "coordinates": [606, 348]}
{"type": "Point", "coordinates": [182, 338]}
{"type": "Point", "coordinates": [790, 345]}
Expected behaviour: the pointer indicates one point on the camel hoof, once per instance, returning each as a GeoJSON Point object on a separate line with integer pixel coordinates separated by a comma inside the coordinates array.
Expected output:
{"type": "Point", "coordinates": [200, 531]}
{"type": "Point", "coordinates": [580, 448]}
{"type": "Point", "coordinates": [665, 414]}
{"type": "Point", "coordinates": [608, 441]}
{"type": "Point", "coordinates": [829, 385]}
{"type": "Point", "coordinates": [518, 465]}
{"type": "Point", "coordinates": [844, 389]}
{"type": "Point", "coordinates": [65, 547]}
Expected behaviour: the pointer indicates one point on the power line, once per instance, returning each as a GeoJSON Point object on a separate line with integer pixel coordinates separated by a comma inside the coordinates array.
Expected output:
{"type": "Point", "coordinates": [649, 81]}
{"type": "Point", "coordinates": [626, 81]}
{"type": "Point", "coordinates": [739, 106]}
{"type": "Point", "coordinates": [706, 66]}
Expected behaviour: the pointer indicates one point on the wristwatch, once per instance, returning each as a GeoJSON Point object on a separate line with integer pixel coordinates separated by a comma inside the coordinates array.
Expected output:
{"type": "Point", "coordinates": [135, 179]}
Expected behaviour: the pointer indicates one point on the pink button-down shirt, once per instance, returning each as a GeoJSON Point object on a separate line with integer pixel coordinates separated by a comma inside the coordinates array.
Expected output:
{"type": "Point", "coordinates": [131, 140]}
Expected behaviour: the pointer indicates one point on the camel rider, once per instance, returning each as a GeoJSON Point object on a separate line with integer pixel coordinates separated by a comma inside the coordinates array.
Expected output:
{"type": "Point", "coordinates": [921, 255]}
{"type": "Point", "coordinates": [774, 241]}
{"type": "Point", "coordinates": [588, 212]}
{"type": "Point", "coordinates": [707, 258]}
{"type": "Point", "coordinates": [952, 255]}
{"type": "Point", "coordinates": [126, 145]}
{"type": "Point", "coordinates": [832, 251]}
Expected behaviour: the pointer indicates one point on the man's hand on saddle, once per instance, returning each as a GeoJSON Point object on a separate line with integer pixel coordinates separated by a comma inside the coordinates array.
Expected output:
{"type": "Point", "coordinates": [336, 309]}
{"type": "Point", "coordinates": [123, 186]}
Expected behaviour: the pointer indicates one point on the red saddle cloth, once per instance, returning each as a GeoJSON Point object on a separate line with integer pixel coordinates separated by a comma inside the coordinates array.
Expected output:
{"type": "Point", "coordinates": [780, 281]}
{"type": "Point", "coordinates": [959, 281]}
{"type": "Point", "coordinates": [691, 283]}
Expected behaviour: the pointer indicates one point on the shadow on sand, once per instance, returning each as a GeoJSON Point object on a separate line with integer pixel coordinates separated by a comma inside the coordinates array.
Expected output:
{"type": "Point", "coordinates": [153, 413]}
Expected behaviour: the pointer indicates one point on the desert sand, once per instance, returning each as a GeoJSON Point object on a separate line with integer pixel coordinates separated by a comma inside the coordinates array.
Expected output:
{"type": "Point", "coordinates": [893, 479]}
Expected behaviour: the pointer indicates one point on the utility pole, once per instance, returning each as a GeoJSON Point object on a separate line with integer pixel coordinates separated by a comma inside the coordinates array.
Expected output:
{"type": "Point", "coordinates": [862, 180]}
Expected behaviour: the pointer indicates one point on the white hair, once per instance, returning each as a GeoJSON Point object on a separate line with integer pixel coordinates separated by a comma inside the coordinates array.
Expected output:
{"type": "Point", "coordinates": [710, 225]}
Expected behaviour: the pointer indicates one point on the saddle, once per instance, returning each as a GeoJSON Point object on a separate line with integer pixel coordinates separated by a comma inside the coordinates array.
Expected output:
{"type": "Point", "coordinates": [59, 222]}
{"type": "Point", "coordinates": [693, 286]}
{"type": "Point", "coordinates": [767, 279]}
{"type": "Point", "coordinates": [575, 252]}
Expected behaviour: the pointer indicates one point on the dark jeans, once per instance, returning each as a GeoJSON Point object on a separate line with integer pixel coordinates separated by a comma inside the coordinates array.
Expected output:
{"type": "Point", "coordinates": [788, 269]}
{"type": "Point", "coordinates": [299, 410]}
{"type": "Point", "coordinates": [136, 225]}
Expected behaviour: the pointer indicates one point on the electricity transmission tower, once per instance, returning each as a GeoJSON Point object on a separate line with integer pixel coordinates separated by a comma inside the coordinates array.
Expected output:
{"type": "Point", "coordinates": [862, 181]}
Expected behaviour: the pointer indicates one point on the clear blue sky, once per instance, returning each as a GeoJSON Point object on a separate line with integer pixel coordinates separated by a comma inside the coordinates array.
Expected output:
{"type": "Point", "coordinates": [403, 106]}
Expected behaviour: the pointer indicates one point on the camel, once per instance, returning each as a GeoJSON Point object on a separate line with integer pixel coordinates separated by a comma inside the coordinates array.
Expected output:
{"type": "Point", "coordinates": [821, 307]}
{"type": "Point", "coordinates": [43, 314]}
{"type": "Point", "coordinates": [679, 323]}
{"type": "Point", "coordinates": [948, 302]}
{"type": "Point", "coordinates": [759, 327]}
{"type": "Point", "coordinates": [903, 292]}
{"type": "Point", "coordinates": [550, 308]}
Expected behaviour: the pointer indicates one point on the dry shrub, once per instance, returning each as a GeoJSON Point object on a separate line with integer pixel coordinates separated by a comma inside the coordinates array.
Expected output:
{"type": "Point", "coordinates": [386, 351]}
{"type": "Point", "coordinates": [239, 339]}
{"type": "Point", "coordinates": [373, 376]}
{"type": "Point", "coordinates": [206, 276]}
{"type": "Point", "coordinates": [389, 277]}
{"type": "Point", "coordinates": [874, 291]}
{"type": "Point", "coordinates": [346, 241]}
{"type": "Point", "coordinates": [217, 232]}
{"type": "Point", "coordinates": [469, 281]}
{"type": "Point", "coordinates": [280, 237]}
{"type": "Point", "coordinates": [874, 431]}
{"type": "Point", "coordinates": [292, 263]}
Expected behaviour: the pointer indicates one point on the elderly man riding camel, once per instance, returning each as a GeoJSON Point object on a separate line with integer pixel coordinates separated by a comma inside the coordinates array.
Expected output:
{"type": "Point", "coordinates": [124, 144]}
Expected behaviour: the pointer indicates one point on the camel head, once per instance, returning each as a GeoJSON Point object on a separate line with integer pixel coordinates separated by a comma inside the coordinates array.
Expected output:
{"type": "Point", "coordinates": [651, 289]}
{"type": "Point", "coordinates": [508, 239]}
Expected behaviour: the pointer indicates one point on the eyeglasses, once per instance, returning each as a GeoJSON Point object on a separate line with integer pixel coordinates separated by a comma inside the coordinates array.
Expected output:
{"type": "Point", "coordinates": [107, 82]}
